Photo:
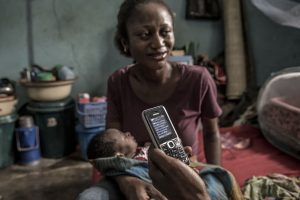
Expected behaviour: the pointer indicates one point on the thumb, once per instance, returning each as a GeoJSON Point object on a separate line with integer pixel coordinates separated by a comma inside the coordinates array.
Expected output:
{"type": "Point", "coordinates": [188, 150]}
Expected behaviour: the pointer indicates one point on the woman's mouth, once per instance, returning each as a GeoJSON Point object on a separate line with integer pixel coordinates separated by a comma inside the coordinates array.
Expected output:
{"type": "Point", "coordinates": [158, 56]}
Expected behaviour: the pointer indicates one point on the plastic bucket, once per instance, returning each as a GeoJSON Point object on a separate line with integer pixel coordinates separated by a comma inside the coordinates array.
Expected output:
{"type": "Point", "coordinates": [28, 145]}
{"type": "Point", "coordinates": [84, 137]}
{"type": "Point", "coordinates": [56, 122]}
{"type": "Point", "coordinates": [7, 126]}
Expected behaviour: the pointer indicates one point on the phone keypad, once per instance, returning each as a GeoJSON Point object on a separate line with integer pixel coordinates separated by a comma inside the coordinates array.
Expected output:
{"type": "Point", "coordinates": [174, 149]}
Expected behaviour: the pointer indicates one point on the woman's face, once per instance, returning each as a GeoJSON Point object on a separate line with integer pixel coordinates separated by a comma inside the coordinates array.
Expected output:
{"type": "Point", "coordinates": [150, 35]}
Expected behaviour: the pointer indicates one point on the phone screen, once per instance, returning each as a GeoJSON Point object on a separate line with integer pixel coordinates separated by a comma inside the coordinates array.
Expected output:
{"type": "Point", "coordinates": [161, 126]}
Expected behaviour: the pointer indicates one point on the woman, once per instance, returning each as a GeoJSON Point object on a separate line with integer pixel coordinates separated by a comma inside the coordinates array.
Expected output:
{"type": "Point", "coordinates": [145, 33]}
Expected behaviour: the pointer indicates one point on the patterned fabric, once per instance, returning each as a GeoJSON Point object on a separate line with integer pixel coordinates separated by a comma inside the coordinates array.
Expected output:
{"type": "Point", "coordinates": [142, 153]}
{"type": "Point", "coordinates": [275, 186]}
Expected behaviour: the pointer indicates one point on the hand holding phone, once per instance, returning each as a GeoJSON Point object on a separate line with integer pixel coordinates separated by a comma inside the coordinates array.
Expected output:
{"type": "Point", "coordinates": [163, 133]}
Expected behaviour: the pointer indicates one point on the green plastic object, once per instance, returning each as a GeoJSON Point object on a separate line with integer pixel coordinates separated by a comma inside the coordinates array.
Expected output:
{"type": "Point", "coordinates": [56, 122]}
{"type": "Point", "coordinates": [45, 76]}
{"type": "Point", "coordinates": [7, 147]}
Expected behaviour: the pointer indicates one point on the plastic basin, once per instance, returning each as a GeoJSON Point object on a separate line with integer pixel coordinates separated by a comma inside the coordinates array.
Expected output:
{"type": "Point", "coordinates": [48, 91]}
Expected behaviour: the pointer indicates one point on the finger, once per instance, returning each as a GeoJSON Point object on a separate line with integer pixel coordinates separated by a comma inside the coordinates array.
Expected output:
{"type": "Point", "coordinates": [157, 152]}
{"type": "Point", "coordinates": [157, 156]}
{"type": "Point", "coordinates": [188, 150]}
{"type": "Point", "coordinates": [151, 147]}
{"type": "Point", "coordinates": [155, 194]}
{"type": "Point", "coordinates": [142, 194]}
{"type": "Point", "coordinates": [162, 161]}
{"type": "Point", "coordinates": [154, 172]}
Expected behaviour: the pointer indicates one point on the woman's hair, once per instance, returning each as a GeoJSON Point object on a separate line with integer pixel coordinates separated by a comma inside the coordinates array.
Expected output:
{"type": "Point", "coordinates": [99, 148]}
{"type": "Point", "coordinates": [125, 11]}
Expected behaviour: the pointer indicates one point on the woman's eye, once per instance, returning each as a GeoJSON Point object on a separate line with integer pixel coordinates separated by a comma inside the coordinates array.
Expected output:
{"type": "Point", "coordinates": [165, 33]}
{"type": "Point", "coordinates": [144, 35]}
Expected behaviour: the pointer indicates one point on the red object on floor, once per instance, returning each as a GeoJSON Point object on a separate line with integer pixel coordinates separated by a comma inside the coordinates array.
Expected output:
{"type": "Point", "coordinates": [259, 159]}
{"type": "Point", "coordinates": [96, 176]}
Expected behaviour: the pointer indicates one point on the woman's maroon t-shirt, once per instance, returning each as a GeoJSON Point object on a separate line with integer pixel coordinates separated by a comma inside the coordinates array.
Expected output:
{"type": "Point", "coordinates": [194, 97]}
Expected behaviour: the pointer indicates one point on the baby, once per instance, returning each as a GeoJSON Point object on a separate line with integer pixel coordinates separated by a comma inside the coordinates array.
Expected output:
{"type": "Point", "coordinates": [116, 153]}
{"type": "Point", "coordinates": [116, 143]}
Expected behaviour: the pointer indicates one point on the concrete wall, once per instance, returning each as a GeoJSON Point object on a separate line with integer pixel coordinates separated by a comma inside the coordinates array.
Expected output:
{"type": "Point", "coordinates": [13, 42]}
{"type": "Point", "coordinates": [79, 33]}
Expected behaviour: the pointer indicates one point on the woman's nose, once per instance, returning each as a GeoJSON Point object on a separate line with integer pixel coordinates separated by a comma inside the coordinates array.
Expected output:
{"type": "Point", "coordinates": [157, 41]}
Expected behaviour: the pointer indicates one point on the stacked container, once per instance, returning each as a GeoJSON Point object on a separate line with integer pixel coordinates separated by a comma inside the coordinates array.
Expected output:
{"type": "Point", "coordinates": [8, 117]}
{"type": "Point", "coordinates": [7, 126]}
{"type": "Point", "coordinates": [91, 114]}
{"type": "Point", "coordinates": [56, 122]}
{"type": "Point", "coordinates": [52, 108]}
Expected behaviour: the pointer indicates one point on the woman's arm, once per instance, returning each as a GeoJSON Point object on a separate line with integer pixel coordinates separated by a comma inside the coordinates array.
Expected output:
{"type": "Point", "coordinates": [212, 142]}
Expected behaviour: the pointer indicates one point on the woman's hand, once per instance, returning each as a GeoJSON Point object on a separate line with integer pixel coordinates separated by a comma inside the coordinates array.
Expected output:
{"type": "Point", "coordinates": [136, 189]}
{"type": "Point", "coordinates": [174, 179]}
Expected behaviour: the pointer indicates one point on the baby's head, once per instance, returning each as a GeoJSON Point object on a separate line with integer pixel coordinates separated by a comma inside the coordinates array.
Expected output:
{"type": "Point", "coordinates": [111, 143]}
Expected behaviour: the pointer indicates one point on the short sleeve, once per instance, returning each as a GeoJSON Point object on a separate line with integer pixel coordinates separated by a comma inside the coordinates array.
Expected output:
{"type": "Point", "coordinates": [209, 107]}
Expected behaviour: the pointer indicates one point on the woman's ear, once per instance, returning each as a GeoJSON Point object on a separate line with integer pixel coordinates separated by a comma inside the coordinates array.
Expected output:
{"type": "Point", "coordinates": [125, 45]}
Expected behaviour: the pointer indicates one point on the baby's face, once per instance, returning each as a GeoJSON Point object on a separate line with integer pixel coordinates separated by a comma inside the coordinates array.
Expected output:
{"type": "Point", "coordinates": [124, 142]}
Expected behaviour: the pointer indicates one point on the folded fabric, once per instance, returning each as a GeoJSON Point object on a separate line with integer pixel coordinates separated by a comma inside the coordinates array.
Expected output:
{"type": "Point", "coordinates": [277, 186]}
{"type": "Point", "coordinates": [119, 165]}
{"type": "Point", "coordinates": [220, 183]}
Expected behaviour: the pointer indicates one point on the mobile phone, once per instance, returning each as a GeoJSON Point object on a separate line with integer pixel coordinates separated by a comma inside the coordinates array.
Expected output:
{"type": "Point", "coordinates": [163, 133]}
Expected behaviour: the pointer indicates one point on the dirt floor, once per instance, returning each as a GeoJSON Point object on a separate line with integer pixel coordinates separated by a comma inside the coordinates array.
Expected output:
{"type": "Point", "coordinates": [50, 179]}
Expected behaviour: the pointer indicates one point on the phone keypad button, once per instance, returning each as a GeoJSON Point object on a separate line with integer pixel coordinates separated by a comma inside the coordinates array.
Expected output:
{"type": "Point", "coordinates": [174, 149]}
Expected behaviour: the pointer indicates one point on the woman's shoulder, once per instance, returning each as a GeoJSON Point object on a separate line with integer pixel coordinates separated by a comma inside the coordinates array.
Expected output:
{"type": "Point", "coordinates": [191, 71]}
{"type": "Point", "coordinates": [120, 73]}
